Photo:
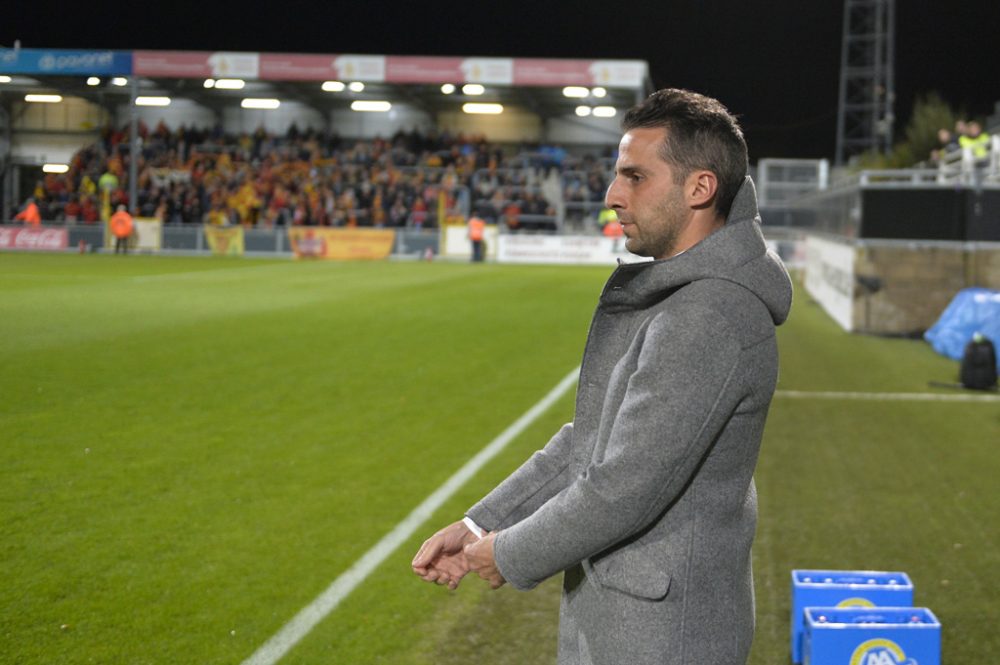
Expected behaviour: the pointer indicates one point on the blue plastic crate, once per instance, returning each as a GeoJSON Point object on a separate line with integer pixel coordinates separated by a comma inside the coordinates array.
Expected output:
{"type": "Point", "coordinates": [871, 636]}
{"type": "Point", "coordinates": [844, 588]}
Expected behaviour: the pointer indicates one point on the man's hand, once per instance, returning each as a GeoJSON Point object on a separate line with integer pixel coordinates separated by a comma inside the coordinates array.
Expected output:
{"type": "Point", "coordinates": [479, 556]}
{"type": "Point", "coordinates": [441, 559]}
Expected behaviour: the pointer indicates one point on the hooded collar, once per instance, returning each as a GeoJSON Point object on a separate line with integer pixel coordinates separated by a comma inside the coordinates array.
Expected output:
{"type": "Point", "coordinates": [736, 252]}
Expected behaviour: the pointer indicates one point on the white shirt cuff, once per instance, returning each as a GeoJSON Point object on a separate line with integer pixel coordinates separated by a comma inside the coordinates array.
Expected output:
{"type": "Point", "coordinates": [473, 527]}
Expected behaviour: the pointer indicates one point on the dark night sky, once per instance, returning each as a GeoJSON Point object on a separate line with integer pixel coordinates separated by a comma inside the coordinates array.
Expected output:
{"type": "Point", "coordinates": [776, 64]}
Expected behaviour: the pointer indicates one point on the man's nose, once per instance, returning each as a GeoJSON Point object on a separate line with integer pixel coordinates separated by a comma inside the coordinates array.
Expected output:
{"type": "Point", "coordinates": [613, 198]}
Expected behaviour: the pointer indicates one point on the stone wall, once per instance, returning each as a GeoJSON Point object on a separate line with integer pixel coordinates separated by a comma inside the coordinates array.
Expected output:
{"type": "Point", "coordinates": [901, 287]}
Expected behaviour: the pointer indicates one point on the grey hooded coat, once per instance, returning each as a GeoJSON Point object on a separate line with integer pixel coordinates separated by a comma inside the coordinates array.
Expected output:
{"type": "Point", "coordinates": [646, 500]}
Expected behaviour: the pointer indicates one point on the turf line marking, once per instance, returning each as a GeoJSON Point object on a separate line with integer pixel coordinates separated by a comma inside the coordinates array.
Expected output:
{"type": "Point", "coordinates": [885, 397]}
{"type": "Point", "coordinates": [307, 618]}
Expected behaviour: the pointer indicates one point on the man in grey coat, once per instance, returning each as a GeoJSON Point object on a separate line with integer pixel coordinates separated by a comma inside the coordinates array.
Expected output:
{"type": "Point", "coordinates": [646, 500]}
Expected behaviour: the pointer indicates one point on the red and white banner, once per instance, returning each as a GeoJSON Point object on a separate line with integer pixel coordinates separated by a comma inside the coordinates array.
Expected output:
{"type": "Point", "coordinates": [293, 67]}
{"type": "Point", "coordinates": [400, 69]}
{"type": "Point", "coordinates": [390, 69]}
{"type": "Point", "coordinates": [32, 239]}
{"type": "Point", "coordinates": [196, 64]}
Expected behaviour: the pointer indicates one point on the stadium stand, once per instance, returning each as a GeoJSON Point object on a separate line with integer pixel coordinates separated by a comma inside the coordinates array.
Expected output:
{"type": "Point", "coordinates": [306, 177]}
{"type": "Point", "coordinates": [317, 160]}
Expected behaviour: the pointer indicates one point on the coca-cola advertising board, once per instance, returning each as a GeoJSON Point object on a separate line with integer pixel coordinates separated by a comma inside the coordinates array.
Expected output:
{"type": "Point", "coordinates": [33, 240]}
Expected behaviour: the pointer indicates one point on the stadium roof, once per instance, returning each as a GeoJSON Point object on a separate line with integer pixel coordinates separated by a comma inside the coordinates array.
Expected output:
{"type": "Point", "coordinates": [536, 84]}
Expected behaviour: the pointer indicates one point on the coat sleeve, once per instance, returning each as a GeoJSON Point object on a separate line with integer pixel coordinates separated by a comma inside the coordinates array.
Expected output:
{"type": "Point", "coordinates": [543, 475]}
{"type": "Point", "coordinates": [677, 401]}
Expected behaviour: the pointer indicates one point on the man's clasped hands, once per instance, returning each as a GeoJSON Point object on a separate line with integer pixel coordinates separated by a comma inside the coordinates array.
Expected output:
{"type": "Point", "coordinates": [453, 552]}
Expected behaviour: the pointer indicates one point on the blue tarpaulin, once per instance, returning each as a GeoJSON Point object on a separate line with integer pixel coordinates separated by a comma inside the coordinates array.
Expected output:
{"type": "Point", "coordinates": [970, 311]}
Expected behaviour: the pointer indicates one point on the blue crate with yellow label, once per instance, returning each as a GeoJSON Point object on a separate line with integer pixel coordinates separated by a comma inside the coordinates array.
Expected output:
{"type": "Point", "coordinates": [871, 636]}
{"type": "Point", "coordinates": [844, 588]}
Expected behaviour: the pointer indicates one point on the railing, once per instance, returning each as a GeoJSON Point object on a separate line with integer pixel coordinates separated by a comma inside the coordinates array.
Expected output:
{"type": "Point", "coordinates": [899, 178]}
{"type": "Point", "coordinates": [781, 180]}
{"type": "Point", "coordinates": [961, 166]}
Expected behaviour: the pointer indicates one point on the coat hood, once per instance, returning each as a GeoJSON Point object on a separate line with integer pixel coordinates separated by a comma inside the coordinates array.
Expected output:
{"type": "Point", "coordinates": [736, 253]}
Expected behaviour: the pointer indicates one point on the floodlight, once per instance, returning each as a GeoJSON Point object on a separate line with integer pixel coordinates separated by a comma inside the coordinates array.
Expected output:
{"type": "Point", "coordinates": [229, 84]}
{"type": "Point", "coordinates": [333, 86]}
{"type": "Point", "coordinates": [370, 105]}
{"type": "Point", "coordinates": [487, 109]}
{"type": "Point", "coordinates": [447, 88]}
{"type": "Point", "coordinates": [583, 111]}
{"type": "Point", "coordinates": [5, 79]}
{"type": "Point", "coordinates": [55, 168]}
{"type": "Point", "coordinates": [209, 83]}
{"type": "Point", "coordinates": [119, 81]}
{"type": "Point", "coordinates": [267, 104]}
{"type": "Point", "coordinates": [575, 91]}
{"type": "Point", "coordinates": [152, 101]}
{"type": "Point", "coordinates": [356, 86]}
{"type": "Point", "coordinates": [93, 80]}
{"type": "Point", "coordinates": [43, 99]}
{"type": "Point", "coordinates": [599, 92]}
{"type": "Point", "coordinates": [473, 89]}
{"type": "Point", "coordinates": [605, 111]}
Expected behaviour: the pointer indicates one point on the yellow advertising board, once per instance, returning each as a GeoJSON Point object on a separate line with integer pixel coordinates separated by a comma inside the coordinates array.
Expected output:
{"type": "Point", "coordinates": [224, 240]}
{"type": "Point", "coordinates": [341, 244]}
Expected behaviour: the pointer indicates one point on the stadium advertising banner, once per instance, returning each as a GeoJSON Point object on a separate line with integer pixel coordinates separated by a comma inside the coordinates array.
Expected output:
{"type": "Point", "coordinates": [196, 64]}
{"type": "Point", "coordinates": [225, 240]}
{"type": "Point", "coordinates": [611, 73]}
{"type": "Point", "coordinates": [586, 250]}
{"type": "Point", "coordinates": [390, 69]}
{"type": "Point", "coordinates": [341, 244]}
{"type": "Point", "coordinates": [830, 278]}
{"type": "Point", "coordinates": [455, 241]}
{"type": "Point", "coordinates": [64, 62]}
{"type": "Point", "coordinates": [147, 235]}
{"type": "Point", "coordinates": [26, 238]}
{"type": "Point", "coordinates": [173, 64]}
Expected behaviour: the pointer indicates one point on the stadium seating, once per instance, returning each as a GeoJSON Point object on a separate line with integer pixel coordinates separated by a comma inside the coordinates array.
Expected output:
{"type": "Point", "coordinates": [414, 180]}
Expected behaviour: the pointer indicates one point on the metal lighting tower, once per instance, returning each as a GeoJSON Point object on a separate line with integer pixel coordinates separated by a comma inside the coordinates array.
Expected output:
{"type": "Point", "coordinates": [867, 93]}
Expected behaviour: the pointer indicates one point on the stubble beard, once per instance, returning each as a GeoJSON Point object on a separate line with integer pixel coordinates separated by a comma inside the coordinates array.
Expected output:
{"type": "Point", "coordinates": [661, 248]}
{"type": "Point", "coordinates": [660, 241]}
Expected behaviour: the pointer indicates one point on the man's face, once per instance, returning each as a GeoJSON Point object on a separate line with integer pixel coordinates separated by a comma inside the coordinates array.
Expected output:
{"type": "Point", "coordinates": [649, 204]}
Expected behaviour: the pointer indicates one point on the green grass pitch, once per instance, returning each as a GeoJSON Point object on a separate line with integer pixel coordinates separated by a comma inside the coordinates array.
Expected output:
{"type": "Point", "coordinates": [192, 449]}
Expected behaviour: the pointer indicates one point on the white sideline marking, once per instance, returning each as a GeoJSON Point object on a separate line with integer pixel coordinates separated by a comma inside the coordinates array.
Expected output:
{"type": "Point", "coordinates": [886, 397]}
{"type": "Point", "coordinates": [303, 622]}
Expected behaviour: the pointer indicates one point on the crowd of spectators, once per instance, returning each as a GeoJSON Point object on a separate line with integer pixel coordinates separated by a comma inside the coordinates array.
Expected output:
{"type": "Point", "coordinates": [309, 177]}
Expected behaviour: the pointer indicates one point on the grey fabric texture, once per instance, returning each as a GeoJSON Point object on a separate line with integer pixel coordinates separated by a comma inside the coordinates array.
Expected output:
{"type": "Point", "coordinates": [646, 500]}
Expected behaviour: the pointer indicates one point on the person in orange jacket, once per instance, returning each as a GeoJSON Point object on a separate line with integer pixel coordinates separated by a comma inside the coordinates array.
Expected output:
{"type": "Point", "coordinates": [30, 214]}
{"type": "Point", "coordinates": [121, 227]}
{"type": "Point", "coordinates": [477, 232]}
{"type": "Point", "coordinates": [613, 229]}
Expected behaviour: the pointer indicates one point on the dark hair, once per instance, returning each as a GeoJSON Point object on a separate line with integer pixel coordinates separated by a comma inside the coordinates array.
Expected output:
{"type": "Point", "coordinates": [701, 134]}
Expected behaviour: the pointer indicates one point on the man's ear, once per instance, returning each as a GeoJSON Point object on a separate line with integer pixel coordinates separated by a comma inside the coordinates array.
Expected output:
{"type": "Point", "coordinates": [700, 188]}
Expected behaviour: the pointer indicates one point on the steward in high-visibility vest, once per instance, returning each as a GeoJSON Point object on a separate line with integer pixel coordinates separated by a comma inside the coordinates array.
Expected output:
{"type": "Point", "coordinates": [30, 214]}
{"type": "Point", "coordinates": [121, 227]}
{"type": "Point", "coordinates": [976, 140]}
{"type": "Point", "coordinates": [477, 232]}
{"type": "Point", "coordinates": [606, 216]}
